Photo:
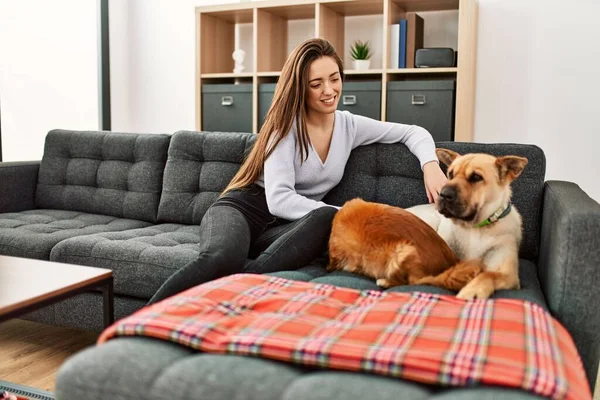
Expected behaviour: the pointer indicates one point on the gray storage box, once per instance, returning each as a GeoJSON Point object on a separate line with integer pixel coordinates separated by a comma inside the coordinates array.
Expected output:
{"type": "Point", "coordinates": [227, 107]}
{"type": "Point", "coordinates": [429, 104]}
{"type": "Point", "coordinates": [265, 97]}
{"type": "Point", "coordinates": [362, 98]}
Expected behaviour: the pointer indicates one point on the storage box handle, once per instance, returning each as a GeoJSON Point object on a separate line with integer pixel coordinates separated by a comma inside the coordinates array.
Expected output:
{"type": "Point", "coordinates": [349, 100]}
{"type": "Point", "coordinates": [226, 100]}
{"type": "Point", "coordinates": [418, 99]}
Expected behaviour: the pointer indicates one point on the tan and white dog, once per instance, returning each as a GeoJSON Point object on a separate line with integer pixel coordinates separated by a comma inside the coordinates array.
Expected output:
{"type": "Point", "coordinates": [475, 217]}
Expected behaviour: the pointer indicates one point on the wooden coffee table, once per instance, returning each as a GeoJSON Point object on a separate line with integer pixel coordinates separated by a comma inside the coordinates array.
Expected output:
{"type": "Point", "coordinates": [26, 285]}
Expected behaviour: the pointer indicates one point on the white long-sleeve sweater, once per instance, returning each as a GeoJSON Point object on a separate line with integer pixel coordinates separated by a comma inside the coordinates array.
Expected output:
{"type": "Point", "coordinates": [293, 189]}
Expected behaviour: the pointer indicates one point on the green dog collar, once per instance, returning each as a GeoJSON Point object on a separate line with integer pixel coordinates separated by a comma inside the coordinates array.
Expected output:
{"type": "Point", "coordinates": [500, 213]}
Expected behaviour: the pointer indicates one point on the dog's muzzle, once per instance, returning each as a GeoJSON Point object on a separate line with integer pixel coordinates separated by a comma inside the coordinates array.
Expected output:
{"type": "Point", "coordinates": [449, 194]}
{"type": "Point", "coordinates": [450, 206]}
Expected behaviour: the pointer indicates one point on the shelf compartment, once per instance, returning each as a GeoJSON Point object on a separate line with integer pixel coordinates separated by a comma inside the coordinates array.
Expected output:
{"type": "Point", "coordinates": [292, 12]}
{"type": "Point", "coordinates": [426, 5]}
{"type": "Point", "coordinates": [341, 22]}
{"type": "Point", "coordinates": [354, 8]}
{"type": "Point", "coordinates": [278, 31]}
{"type": "Point", "coordinates": [216, 37]}
{"type": "Point", "coordinates": [330, 26]}
{"type": "Point", "coordinates": [229, 11]}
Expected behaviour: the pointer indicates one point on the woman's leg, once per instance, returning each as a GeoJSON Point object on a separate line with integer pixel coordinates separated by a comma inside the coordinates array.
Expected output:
{"type": "Point", "coordinates": [300, 243]}
{"type": "Point", "coordinates": [224, 244]}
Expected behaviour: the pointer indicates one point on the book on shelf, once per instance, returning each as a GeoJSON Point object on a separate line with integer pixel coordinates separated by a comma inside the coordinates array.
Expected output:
{"type": "Point", "coordinates": [402, 50]}
{"type": "Point", "coordinates": [394, 45]}
{"type": "Point", "coordinates": [405, 38]}
{"type": "Point", "coordinates": [414, 37]}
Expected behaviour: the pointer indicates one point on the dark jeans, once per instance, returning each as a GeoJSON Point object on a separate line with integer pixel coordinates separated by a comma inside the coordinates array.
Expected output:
{"type": "Point", "coordinates": [236, 222]}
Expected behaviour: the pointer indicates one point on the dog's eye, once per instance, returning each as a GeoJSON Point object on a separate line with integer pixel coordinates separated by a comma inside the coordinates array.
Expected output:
{"type": "Point", "coordinates": [475, 178]}
{"type": "Point", "coordinates": [451, 175]}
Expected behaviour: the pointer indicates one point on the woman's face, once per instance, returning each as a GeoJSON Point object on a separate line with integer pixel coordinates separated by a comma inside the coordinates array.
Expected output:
{"type": "Point", "coordinates": [324, 86]}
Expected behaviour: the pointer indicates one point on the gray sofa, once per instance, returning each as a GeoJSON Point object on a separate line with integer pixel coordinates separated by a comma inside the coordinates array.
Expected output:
{"type": "Point", "coordinates": [132, 203]}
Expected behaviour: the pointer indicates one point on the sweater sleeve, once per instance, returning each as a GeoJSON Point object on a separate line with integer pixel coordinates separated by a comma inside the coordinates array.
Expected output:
{"type": "Point", "coordinates": [280, 179]}
{"type": "Point", "coordinates": [418, 140]}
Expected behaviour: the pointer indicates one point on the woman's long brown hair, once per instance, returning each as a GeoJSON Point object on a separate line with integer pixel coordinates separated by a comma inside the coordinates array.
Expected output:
{"type": "Point", "coordinates": [288, 105]}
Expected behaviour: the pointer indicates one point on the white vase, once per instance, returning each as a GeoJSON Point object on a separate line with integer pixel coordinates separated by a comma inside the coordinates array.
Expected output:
{"type": "Point", "coordinates": [361, 65]}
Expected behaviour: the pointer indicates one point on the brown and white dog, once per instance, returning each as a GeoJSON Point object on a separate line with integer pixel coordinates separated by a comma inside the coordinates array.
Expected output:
{"type": "Point", "coordinates": [473, 216]}
{"type": "Point", "coordinates": [394, 247]}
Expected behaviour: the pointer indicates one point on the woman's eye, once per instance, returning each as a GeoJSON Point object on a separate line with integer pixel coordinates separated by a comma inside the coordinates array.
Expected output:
{"type": "Point", "coordinates": [315, 86]}
{"type": "Point", "coordinates": [335, 79]}
{"type": "Point", "coordinates": [475, 178]}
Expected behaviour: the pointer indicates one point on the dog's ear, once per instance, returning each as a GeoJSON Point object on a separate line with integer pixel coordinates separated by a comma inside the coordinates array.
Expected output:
{"type": "Point", "coordinates": [510, 167]}
{"type": "Point", "coordinates": [446, 156]}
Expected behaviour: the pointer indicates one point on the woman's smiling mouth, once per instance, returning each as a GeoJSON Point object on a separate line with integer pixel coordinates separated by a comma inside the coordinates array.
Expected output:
{"type": "Point", "coordinates": [329, 101]}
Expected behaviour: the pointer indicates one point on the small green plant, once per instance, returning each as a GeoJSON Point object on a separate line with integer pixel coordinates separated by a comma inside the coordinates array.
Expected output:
{"type": "Point", "coordinates": [360, 50]}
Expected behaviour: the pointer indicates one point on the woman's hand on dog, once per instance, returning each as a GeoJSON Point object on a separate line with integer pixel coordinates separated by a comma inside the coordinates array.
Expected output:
{"type": "Point", "coordinates": [434, 180]}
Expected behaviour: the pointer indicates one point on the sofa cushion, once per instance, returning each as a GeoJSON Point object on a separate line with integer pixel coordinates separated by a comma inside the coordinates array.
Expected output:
{"type": "Point", "coordinates": [113, 371]}
{"type": "Point", "coordinates": [117, 174]}
{"type": "Point", "coordinates": [34, 233]}
{"type": "Point", "coordinates": [530, 285]}
{"type": "Point", "coordinates": [141, 259]}
{"type": "Point", "coordinates": [389, 173]}
{"type": "Point", "coordinates": [199, 167]}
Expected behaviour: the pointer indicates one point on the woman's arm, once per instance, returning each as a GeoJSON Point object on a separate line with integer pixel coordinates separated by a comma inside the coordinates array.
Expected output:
{"type": "Point", "coordinates": [280, 180]}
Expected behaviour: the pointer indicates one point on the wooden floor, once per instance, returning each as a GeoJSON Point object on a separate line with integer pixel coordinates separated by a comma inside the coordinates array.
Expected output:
{"type": "Point", "coordinates": [31, 353]}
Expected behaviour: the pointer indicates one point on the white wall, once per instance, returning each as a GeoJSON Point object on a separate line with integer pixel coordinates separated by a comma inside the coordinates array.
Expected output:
{"type": "Point", "coordinates": [538, 82]}
{"type": "Point", "coordinates": [152, 64]}
{"type": "Point", "coordinates": [530, 89]}
{"type": "Point", "coordinates": [48, 72]}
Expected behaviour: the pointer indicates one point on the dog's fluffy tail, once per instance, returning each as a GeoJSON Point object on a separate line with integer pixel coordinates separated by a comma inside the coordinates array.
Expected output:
{"type": "Point", "coordinates": [455, 277]}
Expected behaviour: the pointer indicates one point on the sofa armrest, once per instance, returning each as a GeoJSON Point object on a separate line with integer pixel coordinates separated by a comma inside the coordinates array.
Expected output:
{"type": "Point", "coordinates": [18, 181]}
{"type": "Point", "coordinates": [569, 266]}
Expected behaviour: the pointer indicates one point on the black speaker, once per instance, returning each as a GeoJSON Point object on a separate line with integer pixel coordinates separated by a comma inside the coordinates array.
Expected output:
{"type": "Point", "coordinates": [435, 57]}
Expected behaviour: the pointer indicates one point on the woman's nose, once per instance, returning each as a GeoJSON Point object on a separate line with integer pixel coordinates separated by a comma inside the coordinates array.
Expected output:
{"type": "Point", "coordinates": [327, 89]}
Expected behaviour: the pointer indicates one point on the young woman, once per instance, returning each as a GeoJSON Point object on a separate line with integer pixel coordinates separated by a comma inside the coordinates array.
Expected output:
{"type": "Point", "coordinates": [298, 157]}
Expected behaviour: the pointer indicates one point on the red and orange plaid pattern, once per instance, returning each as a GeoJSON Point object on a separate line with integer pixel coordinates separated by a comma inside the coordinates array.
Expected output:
{"type": "Point", "coordinates": [423, 337]}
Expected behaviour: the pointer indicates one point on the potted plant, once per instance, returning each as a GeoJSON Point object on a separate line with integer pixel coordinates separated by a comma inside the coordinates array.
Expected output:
{"type": "Point", "coordinates": [361, 54]}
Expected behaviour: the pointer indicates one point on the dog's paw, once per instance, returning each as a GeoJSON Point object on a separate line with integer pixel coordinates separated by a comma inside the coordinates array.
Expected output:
{"type": "Point", "coordinates": [383, 283]}
{"type": "Point", "coordinates": [468, 272]}
{"type": "Point", "coordinates": [471, 292]}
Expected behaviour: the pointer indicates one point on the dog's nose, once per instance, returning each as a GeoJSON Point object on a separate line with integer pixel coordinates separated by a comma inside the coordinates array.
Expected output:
{"type": "Point", "coordinates": [448, 193]}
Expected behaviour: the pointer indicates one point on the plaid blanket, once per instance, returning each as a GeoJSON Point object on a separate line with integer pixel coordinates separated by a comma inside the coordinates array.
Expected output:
{"type": "Point", "coordinates": [428, 338]}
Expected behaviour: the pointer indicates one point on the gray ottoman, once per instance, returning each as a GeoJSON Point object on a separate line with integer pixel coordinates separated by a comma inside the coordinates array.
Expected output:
{"type": "Point", "coordinates": [144, 368]}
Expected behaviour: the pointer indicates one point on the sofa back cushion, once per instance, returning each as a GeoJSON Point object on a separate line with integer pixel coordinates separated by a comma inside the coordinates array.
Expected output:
{"type": "Point", "coordinates": [109, 173]}
{"type": "Point", "coordinates": [389, 173]}
{"type": "Point", "coordinates": [199, 167]}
